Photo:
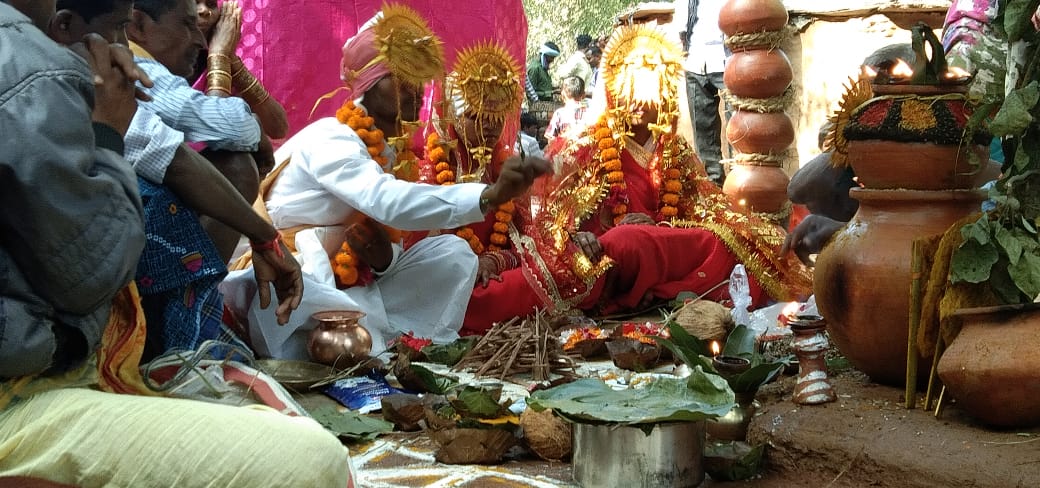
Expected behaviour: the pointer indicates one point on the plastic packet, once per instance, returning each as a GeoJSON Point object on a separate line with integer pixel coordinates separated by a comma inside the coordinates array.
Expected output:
{"type": "Point", "coordinates": [361, 393]}
{"type": "Point", "coordinates": [740, 293]}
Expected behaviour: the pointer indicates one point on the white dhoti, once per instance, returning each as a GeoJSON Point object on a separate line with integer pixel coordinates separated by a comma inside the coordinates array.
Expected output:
{"type": "Point", "coordinates": [425, 290]}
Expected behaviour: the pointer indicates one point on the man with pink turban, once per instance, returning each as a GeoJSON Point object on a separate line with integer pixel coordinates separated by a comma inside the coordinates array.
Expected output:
{"type": "Point", "coordinates": [337, 203]}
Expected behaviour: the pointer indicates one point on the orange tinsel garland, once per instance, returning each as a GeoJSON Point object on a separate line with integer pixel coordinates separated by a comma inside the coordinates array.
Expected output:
{"type": "Point", "coordinates": [344, 263]}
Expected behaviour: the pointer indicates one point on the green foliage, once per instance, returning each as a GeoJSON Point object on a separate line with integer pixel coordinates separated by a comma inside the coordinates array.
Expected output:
{"type": "Point", "coordinates": [475, 401]}
{"type": "Point", "coordinates": [561, 21]}
{"type": "Point", "coordinates": [434, 383]}
{"type": "Point", "coordinates": [1001, 248]}
{"type": "Point", "coordinates": [665, 399]}
{"type": "Point", "coordinates": [351, 424]}
{"type": "Point", "coordinates": [449, 354]}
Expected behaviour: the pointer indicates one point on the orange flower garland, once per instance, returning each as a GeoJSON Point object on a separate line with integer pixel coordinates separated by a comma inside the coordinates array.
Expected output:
{"type": "Point", "coordinates": [438, 158]}
{"type": "Point", "coordinates": [610, 164]}
{"type": "Point", "coordinates": [609, 157]}
{"type": "Point", "coordinates": [500, 230]}
{"type": "Point", "coordinates": [345, 263]}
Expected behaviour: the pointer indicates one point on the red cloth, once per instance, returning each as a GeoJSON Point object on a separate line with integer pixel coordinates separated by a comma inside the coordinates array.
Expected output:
{"type": "Point", "coordinates": [649, 260]}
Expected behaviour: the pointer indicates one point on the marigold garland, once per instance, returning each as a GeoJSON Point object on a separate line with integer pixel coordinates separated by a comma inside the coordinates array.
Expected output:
{"type": "Point", "coordinates": [444, 174]}
{"type": "Point", "coordinates": [349, 272]}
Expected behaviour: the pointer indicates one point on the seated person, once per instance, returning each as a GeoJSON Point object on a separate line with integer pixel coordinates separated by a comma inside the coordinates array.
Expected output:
{"type": "Point", "coordinates": [333, 185]}
{"type": "Point", "coordinates": [222, 28]}
{"type": "Point", "coordinates": [633, 219]}
{"type": "Point", "coordinates": [72, 235]}
{"type": "Point", "coordinates": [572, 111]}
{"type": "Point", "coordinates": [179, 258]}
{"type": "Point", "coordinates": [234, 142]}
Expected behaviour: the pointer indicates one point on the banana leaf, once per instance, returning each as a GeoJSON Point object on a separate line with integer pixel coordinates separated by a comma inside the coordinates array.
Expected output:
{"type": "Point", "coordinates": [666, 399]}
{"type": "Point", "coordinates": [351, 424]}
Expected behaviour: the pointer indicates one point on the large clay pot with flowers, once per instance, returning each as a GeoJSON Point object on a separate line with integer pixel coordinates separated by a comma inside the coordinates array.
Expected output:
{"type": "Point", "coordinates": [862, 278]}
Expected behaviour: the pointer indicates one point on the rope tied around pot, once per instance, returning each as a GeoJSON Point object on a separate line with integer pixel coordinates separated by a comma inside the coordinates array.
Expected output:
{"type": "Point", "coordinates": [760, 105]}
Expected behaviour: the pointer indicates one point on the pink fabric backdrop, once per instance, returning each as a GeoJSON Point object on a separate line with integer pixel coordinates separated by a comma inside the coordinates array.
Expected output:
{"type": "Point", "coordinates": [293, 46]}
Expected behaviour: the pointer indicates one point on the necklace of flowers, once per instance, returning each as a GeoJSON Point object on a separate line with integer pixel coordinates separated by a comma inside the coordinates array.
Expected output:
{"type": "Point", "coordinates": [445, 175]}
{"type": "Point", "coordinates": [609, 157]}
{"type": "Point", "coordinates": [345, 265]}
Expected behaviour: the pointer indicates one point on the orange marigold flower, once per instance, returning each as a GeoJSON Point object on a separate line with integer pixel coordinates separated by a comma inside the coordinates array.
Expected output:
{"type": "Point", "coordinates": [347, 275]}
{"type": "Point", "coordinates": [374, 151]}
{"type": "Point", "coordinates": [368, 121]}
{"type": "Point", "coordinates": [620, 209]}
{"type": "Point", "coordinates": [344, 258]}
{"type": "Point", "coordinates": [669, 211]}
{"type": "Point", "coordinates": [445, 176]}
{"type": "Point", "coordinates": [673, 186]}
{"type": "Point", "coordinates": [603, 133]}
{"type": "Point", "coordinates": [609, 153]}
{"type": "Point", "coordinates": [380, 159]}
{"type": "Point", "coordinates": [355, 122]}
{"type": "Point", "coordinates": [605, 143]}
{"type": "Point", "coordinates": [498, 239]}
{"type": "Point", "coordinates": [618, 219]}
{"type": "Point", "coordinates": [437, 154]}
{"type": "Point", "coordinates": [503, 216]}
{"type": "Point", "coordinates": [464, 233]}
{"type": "Point", "coordinates": [670, 198]}
{"type": "Point", "coordinates": [616, 176]}
{"type": "Point", "coordinates": [493, 248]}
{"type": "Point", "coordinates": [507, 207]}
{"type": "Point", "coordinates": [612, 165]}
{"type": "Point", "coordinates": [672, 173]}
{"type": "Point", "coordinates": [501, 227]}
{"type": "Point", "coordinates": [442, 167]}
{"type": "Point", "coordinates": [432, 138]}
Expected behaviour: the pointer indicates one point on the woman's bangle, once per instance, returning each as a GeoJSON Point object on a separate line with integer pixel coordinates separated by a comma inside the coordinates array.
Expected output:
{"type": "Point", "coordinates": [274, 244]}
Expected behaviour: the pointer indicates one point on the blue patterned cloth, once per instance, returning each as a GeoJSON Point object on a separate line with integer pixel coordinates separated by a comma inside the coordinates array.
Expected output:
{"type": "Point", "coordinates": [178, 276]}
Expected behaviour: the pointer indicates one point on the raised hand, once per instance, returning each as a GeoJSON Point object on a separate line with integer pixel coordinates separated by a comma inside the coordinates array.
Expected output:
{"type": "Point", "coordinates": [115, 75]}
{"type": "Point", "coordinates": [228, 30]}
{"type": "Point", "coordinates": [283, 271]}
{"type": "Point", "coordinates": [517, 175]}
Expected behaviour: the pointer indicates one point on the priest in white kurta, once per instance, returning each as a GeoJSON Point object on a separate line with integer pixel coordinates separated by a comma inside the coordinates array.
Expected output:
{"type": "Point", "coordinates": [330, 176]}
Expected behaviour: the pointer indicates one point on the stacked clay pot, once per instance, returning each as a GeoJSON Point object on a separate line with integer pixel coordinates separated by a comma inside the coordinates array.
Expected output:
{"type": "Point", "coordinates": [757, 76]}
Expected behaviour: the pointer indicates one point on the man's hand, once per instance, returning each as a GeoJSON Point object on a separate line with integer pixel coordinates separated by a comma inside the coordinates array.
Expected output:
{"type": "Point", "coordinates": [228, 30]}
{"type": "Point", "coordinates": [810, 236]}
{"type": "Point", "coordinates": [284, 273]}
{"type": "Point", "coordinates": [114, 76]}
{"type": "Point", "coordinates": [516, 177]}
{"type": "Point", "coordinates": [371, 244]}
{"type": "Point", "coordinates": [589, 245]}
{"type": "Point", "coordinates": [264, 156]}
{"type": "Point", "coordinates": [637, 219]}
{"type": "Point", "coordinates": [487, 270]}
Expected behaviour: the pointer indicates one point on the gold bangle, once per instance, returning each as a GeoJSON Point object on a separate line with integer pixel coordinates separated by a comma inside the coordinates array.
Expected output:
{"type": "Point", "coordinates": [218, 72]}
{"type": "Point", "coordinates": [219, 55]}
{"type": "Point", "coordinates": [243, 80]}
{"type": "Point", "coordinates": [216, 87]}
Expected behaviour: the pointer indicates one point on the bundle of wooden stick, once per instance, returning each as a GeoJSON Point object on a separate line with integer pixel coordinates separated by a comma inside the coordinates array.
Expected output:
{"type": "Point", "coordinates": [515, 347]}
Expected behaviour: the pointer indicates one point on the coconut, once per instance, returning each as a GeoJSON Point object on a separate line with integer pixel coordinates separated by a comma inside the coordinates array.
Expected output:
{"type": "Point", "coordinates": [706, 320]}
{"type": "Point", "coordinates": [546, 434]}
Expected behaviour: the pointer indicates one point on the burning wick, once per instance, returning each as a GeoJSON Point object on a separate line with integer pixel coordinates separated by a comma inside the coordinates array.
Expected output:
{"type": "Point", "coordinates": [901, 71]}
{"type": "Point", "coordinates": [715, 349]}
{"type": "Point", "coordinates": [954, 74]}
{"type": "Point", "coordinates": [789, 313]}
{"type": "Point", "coordinates": [867, 73]}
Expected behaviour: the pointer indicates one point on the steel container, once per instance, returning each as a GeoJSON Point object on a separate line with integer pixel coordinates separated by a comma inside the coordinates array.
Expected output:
{"type": "Point", "coordinates": [613, 456]}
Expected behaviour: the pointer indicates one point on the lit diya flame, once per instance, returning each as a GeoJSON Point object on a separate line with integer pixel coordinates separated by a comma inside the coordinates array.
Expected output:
{"type": "Point", "coordinates": [955, 74]}
{"type": "Point", "coordinates": [789, 313]}
{"type": "Point", "coordinates": [867, 73]}
{"type": "Point", "coordinates": [715, 348]}
{"type": "Point", "coordinates": [901, 70]}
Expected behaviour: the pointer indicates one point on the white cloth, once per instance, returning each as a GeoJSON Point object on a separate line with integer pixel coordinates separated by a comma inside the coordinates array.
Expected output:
{"type": "Point", "coordinates": [530, 145]}
{"type": "Point", "coordinates": [425, 289]}
{"type": "Point", "coordinates": [576, 65]}
{"type": "Point", "coordinates": [707, 53]}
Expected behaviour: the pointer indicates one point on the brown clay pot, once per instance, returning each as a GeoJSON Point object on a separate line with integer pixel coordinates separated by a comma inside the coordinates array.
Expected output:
{"type": "Point", "coordinates": [762, 73]}
{"type": "Point", "coordinates": [753, 132]}
{"type": "Point", "coordinates": [763, 188]}
{"type": "Point", "coordinates": [992, 368]}
{"type": "Point", "coordinates": [921, 166]}
{"type": "Point", "coordinates": [751, 16]}
{"type": "Point", "coordinates": [862, 277]}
